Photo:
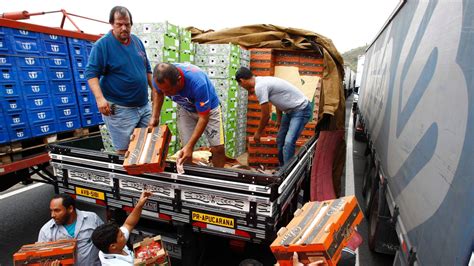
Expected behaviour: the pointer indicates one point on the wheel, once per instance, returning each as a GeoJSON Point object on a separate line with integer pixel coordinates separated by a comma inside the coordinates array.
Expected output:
{"type": "Point", "coordinates": [382, 234]}
{"type": "Point", "coordinates": [369, 189]}
{"type": "Point", "coordinates": [373, 221]}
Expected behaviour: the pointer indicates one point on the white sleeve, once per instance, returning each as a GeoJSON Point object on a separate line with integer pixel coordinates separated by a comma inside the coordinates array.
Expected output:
{"type": "Point", "coordinates": [125, 232]}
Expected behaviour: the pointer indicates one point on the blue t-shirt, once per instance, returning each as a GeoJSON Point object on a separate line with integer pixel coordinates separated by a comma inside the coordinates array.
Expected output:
{"type": "Point", "coordinates": [122, 70]}
{"type": "Point", "coordinates": [70, 228]}
{"type": "Point", "coordinates": [198, 94]}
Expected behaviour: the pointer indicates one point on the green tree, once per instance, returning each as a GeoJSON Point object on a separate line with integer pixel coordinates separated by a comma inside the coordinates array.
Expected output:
{"type": "Point", "coordinates": [351, 56]}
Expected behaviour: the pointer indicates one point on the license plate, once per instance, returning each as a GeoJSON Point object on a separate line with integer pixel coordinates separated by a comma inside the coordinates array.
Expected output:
{"type": "Point", "coordinates": [213, 219]}
{"type": "Point", "coordinates": [90, 193]}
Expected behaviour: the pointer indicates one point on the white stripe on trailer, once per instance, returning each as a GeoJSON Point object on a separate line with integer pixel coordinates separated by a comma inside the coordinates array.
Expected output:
{"type": "Point", "coordinates": [86, 199]}
{"type": "Point", "coordinates": [220, 229]}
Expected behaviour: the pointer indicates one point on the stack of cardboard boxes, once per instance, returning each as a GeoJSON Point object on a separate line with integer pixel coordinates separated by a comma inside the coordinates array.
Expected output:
{"type": "Point", "coordinates": [165, 42]}
{"type": "Point", "coordinates": [221, 62]}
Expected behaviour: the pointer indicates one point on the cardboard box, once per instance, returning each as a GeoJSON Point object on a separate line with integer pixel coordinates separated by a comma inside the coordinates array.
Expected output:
{"type": "Point", "coordinates": [147, 150]}
{"type": "Point", "coordinates": [150, 251]}
{"type": "Point", "coordinates": [319, 230]}
{"type": "Point", "coordinates": [43, 252]}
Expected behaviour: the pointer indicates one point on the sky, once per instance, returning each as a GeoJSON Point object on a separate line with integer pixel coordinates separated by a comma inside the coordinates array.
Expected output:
{"type": "Point", "coordinates": [348, 23]}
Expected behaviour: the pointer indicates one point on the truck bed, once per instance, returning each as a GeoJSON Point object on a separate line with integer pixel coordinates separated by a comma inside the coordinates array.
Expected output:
{"type": "Point", "coordinates": [231, 202]}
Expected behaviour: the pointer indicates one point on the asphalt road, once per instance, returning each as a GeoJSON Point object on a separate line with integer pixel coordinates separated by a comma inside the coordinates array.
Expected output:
{"type": "Point", "coordinates": [366, 257]}
{"type": "Point", "coordinates": [22, 215]}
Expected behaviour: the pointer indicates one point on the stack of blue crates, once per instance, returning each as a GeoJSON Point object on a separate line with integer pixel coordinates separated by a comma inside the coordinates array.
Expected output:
{"type": "Point", "coordinates": [61, 83]}
{"type": "Point", "coordinates": [43, 89]}
{"type": "Point", "coordinates": [15, 48]}
{"type": "Point", "coordinates": [79, 51]}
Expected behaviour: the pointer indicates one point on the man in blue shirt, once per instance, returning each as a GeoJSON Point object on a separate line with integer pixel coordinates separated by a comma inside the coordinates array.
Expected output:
{"type": "Point", "coordinates": [118, 74]}
{"type": "Point", "coordinates": [67, 222]}
{"type": "Point", "coordinates": [199, 111]}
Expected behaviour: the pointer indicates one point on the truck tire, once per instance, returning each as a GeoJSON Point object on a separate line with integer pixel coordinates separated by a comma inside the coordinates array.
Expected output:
{"type": "Point", "coordinates": [367, 170]}
{"type": "Point", "coordinates": [382, 235]}
{"type": "Point", "coordinates": [369, 189]}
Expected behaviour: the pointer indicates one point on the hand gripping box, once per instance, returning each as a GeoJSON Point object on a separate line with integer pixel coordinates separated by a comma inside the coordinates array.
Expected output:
{"type": "Point", "coordinates": [318, 231]}
{"type": "Point", "coordinates": [42, 253]}
{"type": "Point", "coordinates": [147, 150]}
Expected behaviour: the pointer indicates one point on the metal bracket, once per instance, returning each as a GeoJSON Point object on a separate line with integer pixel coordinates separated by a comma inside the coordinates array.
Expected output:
{"type": "Point", "coordinates": [396, 213]}
{"type": "Point", "coordinates": [412, 256]}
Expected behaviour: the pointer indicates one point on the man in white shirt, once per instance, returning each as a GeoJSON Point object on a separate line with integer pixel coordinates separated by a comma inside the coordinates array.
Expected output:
{"type": "Point", "coordinates": [293, 109]}
{"type": "Point", "coordinates": [112, 240]}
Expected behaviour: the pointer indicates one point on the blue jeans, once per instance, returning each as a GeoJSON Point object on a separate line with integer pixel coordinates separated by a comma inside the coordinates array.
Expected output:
{"type": "Point", "coordinates": [124, 120]}
{"type": "Point", "coordinates": [291, 126]}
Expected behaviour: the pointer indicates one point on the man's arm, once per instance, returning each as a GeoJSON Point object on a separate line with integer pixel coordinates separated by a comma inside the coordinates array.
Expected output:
{"type": "Point", "coordinates": [134, 216]}
{"type": "Point", "coordinates": [102, 103]}
{"type": "Point", "coordinates": [157, 100]}
{"type": "Point", "coordinates": [187, 151]}
{"type": "Point", "coordinates": [263, 121]}
{"type": "Point", "coordinates": [279, 115]}
{"type": "Point", "coordinates": [42, 237]}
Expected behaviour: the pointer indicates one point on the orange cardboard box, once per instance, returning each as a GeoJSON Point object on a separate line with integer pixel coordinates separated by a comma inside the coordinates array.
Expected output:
{"type": "Point", "coordinates": [147, 150]}
{"type": "Point", "coordinates": [43, 252]}
{"type": "Point", "coordinates": [319, 230]}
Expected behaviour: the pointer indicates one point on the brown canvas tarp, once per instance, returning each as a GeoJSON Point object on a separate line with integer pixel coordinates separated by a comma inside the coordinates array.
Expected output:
{"type": "Point", "coordinates": [269, 36]}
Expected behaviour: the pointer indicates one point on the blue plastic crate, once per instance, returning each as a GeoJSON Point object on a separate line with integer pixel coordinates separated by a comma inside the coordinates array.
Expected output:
{"type": "Point", "coordinates": [75, 41]}
{"type": "Point", "coordinates": [61, 87]}
{"type": "Point", "coordinates": [82, 87]}
{"type": "Point", "coordinates": [57, 62]}
{"type": "Point", "coordinates": [68, 124]}
{"type": "Point", "coordinates": [67, 111]}
{"type": "Point", "coordinates": [9, 90]}
{"type": "Point", "coordinates": [85, 98]}
{"type": "Point", "coordinates": [34, 89]}
{"type": "Point", "coordinates": [43, 128]}
{"type": "Point", "coordinates": [4, 137]}
{"type": "Point", "coordinates": [37, 74]}
{"type": "Point", "coordinates": [12, 104]}
{"type": "Point", "coordinates": [30, 61]}
{"type": "Point", "coordinates": [4, 31]}
{"type": "Point", "coordinates": [5, 46]}
{"type": "Point", "coordinates": [35, 102]}
{"type": "Point", "coordinates": [7, 60]}
{"type": "Point", "coordinates": [88, 120]}
{"type": "Point", "coordinates": [80, 75]}
{"type": "Point", "coordinates": [62, 100]}
{"type": "Point", "coordinates": [77, 49]}
{"type": "Point", "coordinates": [16, 119]}
{"type": "Point", "coordinates": [26, 45]}
{"type": "Point", "coordinates": [39, 115]}
{"type": "Point", "coordinates": [19, 133]}
{"type": "Point", "coordinates": [78, 62]}
{"type": "Point", "coordinates": [59, 74]}
{"type": "Point", "coordinates": [8, 75]}
{"type": "Point", "coordinates": [24, 33]}
{"type": "Point", "coordinates": [86, 109]}
{"type": "Point", "coordinates": [100, 119]}
{"type": "Point", "coordinates": [53, 38]}
{"type": "Point", "coordinates": [55, 48]}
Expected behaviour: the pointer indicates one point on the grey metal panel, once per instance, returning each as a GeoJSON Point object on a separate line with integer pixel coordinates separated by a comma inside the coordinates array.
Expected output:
{"type": "Point", "coordinates": [417, 102]}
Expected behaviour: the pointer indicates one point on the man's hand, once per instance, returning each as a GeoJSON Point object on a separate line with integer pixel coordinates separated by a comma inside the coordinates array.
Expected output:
{"type": "Point", "coordinates": [256, 136]}
{"type": "Point", "coordinates": [185, 154]}
{"type": "Point", "coordinates": [144, 197]}
{"type": "Point", "coordinates": [154, 121]}
{"type": "Point", "coordinates": [104, 106]}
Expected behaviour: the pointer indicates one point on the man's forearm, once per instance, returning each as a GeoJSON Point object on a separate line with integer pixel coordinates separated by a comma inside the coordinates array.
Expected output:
{"type": "Point", "coordinates": [265, 116]}
{"type": "Point", "coordinates": [158, 99]}
{"type": "Point", "coordinates": [95, 88]}
{"type": "Point", "coordinates": [134, 216]}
